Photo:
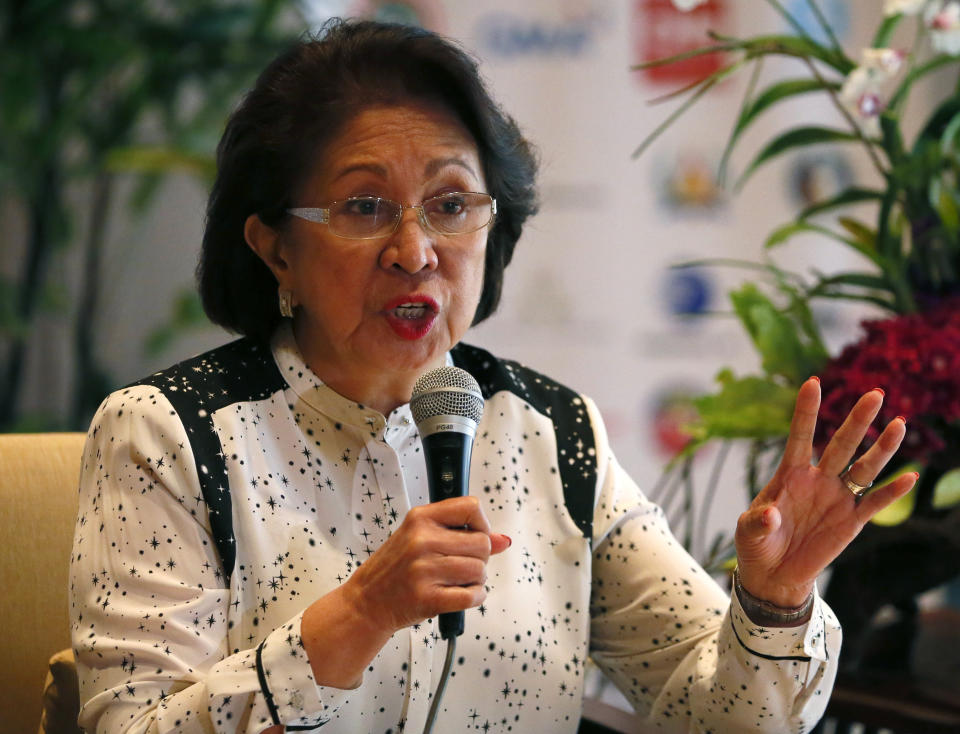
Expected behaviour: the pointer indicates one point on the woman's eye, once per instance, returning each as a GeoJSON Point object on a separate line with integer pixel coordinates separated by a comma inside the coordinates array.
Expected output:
{"type": "Point", "coordinates": [361, 207]}
{"type": "Point", "coordinates": [452, 205]}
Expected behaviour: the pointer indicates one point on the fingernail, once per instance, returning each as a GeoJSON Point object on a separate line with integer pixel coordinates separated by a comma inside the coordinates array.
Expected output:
{"type": "Point", "coordinates": [879, 390]}
{"type": "Point", "coordinates": [916, 475]}
{"type": "Point", "coordinates": [901, 418]}
{"type": "Point", "coordinates": [814, 377]}
{"type": "Point", "coordinates": [509, 540]}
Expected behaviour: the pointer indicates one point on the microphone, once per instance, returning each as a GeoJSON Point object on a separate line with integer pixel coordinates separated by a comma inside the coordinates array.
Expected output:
{"type": "Point", "coordinates": [447, 406]}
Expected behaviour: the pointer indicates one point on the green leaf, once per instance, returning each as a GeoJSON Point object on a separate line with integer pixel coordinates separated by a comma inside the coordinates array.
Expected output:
{"type": "Point", "coordinates": [786, 45]}
{"type": "Point", "coordinates": [861, 280]}
{"type": "Point", "coordinates": [947, 492]}
{"type": "Point", "coordinates": [645, 143]}
{"type": "Point", "coordinates": [858, 297]}
{"type": "Point", "coordinates": [746, 407]}
{"type": "Point", "coordinates": [767, 98]}
{"type": "Point", "coordinates": [851, 195]}
{"type": "Point", "coordinates": [667, 60]}
{"type": "Point", "coordinates": [776, 336]}
{"type": "Point", "coordinates": [713, 78]}
{"type": "Point", "coordinates": [885, 32]}
{"type": "Point", "coordinates": [784, 232]}
{"type": "Point", "coordinates": [862, 234]}
{"type": "Point", "coordinates": [900, 510]}
{"type": "Point", "coordinates": [943, 201]}
{"type": "Point", "coordinates": [797, 138]}
{"type": "Point", "coordinates": [949, 136]}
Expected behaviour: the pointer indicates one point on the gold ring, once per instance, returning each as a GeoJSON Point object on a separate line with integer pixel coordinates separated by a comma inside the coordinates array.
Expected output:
{"type": "Point", "coordinates": [858, 490]}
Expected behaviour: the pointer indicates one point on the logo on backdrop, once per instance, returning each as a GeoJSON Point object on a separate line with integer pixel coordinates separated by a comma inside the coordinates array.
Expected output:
{"type": "Point", "coordinates": [660, 30]}
{"type": "Point", "coordinates": [690, 183]}
{"type": "Point", "coordinates": [509, 36]}
{"type": "Point", "coordinates": [687, 291]}
{"type": "Point", "coordinates": [671, 417]}
{"type": "Point", "coordinates": [818, 177]}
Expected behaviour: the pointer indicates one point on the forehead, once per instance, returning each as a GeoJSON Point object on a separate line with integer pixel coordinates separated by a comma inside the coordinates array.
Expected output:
{"type": "Point", "coordinates": [409, 140]}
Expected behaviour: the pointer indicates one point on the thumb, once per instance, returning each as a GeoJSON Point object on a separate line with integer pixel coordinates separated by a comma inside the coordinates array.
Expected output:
{"type": "Point", "coordinates": [499, 543]}
{"type": "Point", "coordinates": [757, 523]}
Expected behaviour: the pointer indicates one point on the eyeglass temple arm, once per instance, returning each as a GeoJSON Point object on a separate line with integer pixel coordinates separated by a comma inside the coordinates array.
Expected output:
{"type": "Point", "coordinates": [312, 214]}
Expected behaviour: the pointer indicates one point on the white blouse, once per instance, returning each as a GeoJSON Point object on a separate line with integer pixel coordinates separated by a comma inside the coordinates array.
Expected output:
{"type": "Point", "coordinates": [170, 635]}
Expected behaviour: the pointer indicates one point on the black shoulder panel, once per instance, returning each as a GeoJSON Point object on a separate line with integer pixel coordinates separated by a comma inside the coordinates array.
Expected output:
{"type": "Point", "coordinates": [576, 452]}
{"type": "Point", "coordinates": [240, 371]}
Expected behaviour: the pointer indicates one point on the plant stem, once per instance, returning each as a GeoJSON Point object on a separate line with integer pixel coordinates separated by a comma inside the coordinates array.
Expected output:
{"type": "Point", "coordinates": [712, 489]}
{"type": "Point", "coordinates": [670, 119]}
{"type": "Point", "coordinates": [85, 367]}
{"type": "Point", "coordinates": [874, 158]}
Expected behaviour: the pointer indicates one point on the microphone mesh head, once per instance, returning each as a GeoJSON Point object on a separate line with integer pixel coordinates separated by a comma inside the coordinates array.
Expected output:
{"type": "Point", "coordinates": [446, 391]}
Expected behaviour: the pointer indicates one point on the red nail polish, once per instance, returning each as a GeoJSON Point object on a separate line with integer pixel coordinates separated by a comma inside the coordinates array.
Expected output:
{"type": "Point", "coordinates": [814, 377]}
{"type": "Point", "coordinates": [509, 540]}
{"type": "Point", "coordinates": [901, 418]}
{"type": "Point", "coordinates": [916, 475]}
{"type": "Point", "coordinates": [879, 390]}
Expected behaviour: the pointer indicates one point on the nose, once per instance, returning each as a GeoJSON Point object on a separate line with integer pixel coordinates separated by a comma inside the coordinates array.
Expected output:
{"type": "Point", "coordinates": [411, 247]}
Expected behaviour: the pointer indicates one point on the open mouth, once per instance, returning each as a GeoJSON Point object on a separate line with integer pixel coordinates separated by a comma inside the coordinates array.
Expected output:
{"type": "Point", "coordinates": [412, 317]}
{"type": "Point", "coordinates": [412, 311]}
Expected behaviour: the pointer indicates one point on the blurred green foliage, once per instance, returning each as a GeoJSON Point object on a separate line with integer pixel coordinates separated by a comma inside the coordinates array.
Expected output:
{"type": "Point", "coordinates": [91, 91]}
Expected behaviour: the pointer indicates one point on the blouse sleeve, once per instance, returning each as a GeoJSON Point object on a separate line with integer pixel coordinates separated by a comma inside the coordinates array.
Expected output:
{"type": "Point", "coordinates": [148, 596]}
{"type": "Point", "coordinates": [683, 652]}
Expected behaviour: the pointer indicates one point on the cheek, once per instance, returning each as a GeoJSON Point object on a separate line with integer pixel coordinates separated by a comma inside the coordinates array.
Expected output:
{"type": "Point", "coordinates": [471, 283]}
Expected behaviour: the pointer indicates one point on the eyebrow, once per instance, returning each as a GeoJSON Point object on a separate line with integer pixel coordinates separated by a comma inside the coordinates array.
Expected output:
{"type": "Point", "coordinates": [433, 167]}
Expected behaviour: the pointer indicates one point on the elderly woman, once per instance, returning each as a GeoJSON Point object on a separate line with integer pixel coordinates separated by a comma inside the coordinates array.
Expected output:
{"type": "Point", "coordinates": [255, 545]}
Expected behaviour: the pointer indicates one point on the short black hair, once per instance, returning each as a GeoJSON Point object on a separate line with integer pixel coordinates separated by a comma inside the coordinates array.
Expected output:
{"type": "Point", "coordinates": [298, 104]}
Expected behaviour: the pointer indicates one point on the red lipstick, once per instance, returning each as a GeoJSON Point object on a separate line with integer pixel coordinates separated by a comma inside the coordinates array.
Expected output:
{"type": "Point", "coordinates": [411, 317]}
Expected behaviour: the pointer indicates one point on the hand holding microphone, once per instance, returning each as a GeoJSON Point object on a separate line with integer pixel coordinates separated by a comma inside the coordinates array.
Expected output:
{"type": "Point", "coordinates": [435, 561]}
{"type": "Point", "coordinates": [447, 406]}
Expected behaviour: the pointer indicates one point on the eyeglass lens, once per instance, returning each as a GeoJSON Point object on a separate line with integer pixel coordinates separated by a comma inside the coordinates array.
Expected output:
{"type": "Point", "coordinates": [454, 213]}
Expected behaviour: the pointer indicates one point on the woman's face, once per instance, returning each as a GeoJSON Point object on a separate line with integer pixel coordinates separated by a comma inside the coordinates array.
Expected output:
{"type": "Point", "coordinates": [374, 311]}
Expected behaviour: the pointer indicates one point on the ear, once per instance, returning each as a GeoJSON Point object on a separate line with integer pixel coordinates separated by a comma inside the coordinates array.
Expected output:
{"type": "Point", "coordinates": [268, 244]}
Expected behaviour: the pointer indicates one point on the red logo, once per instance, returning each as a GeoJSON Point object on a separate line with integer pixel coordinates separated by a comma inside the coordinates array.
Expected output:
{"type": "Point", "coordinates": [660, 30]}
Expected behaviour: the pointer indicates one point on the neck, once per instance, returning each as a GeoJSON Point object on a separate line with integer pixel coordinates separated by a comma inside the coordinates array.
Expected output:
{"type": "Point", "coordinates": [382, 390]}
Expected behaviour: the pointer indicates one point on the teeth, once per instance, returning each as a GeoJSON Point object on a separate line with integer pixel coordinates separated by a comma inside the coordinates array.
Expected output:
{"type": "Point", "coordinates": [411, 311]}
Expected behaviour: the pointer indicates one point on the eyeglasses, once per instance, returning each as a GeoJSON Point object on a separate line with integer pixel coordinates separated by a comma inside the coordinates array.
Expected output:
{"type": "Point", "coordinates": [370, 217]}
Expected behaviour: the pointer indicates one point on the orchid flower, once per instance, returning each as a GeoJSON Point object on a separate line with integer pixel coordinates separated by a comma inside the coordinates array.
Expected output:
{"type": "Point", "coordinates": [862, 92]}
{"type": "Point", "coordinates": [942, 18]}
{"type": "Point", "coordinates": [685, 5]}
{"type": "Point", "coordinates": [904, 7]}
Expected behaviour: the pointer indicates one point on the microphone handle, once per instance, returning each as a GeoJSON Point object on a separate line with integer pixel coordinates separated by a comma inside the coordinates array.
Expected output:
{"type": "Point", "coordinates": [447, 455]}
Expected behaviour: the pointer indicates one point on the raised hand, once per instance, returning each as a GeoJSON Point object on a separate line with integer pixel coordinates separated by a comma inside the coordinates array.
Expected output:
{"type": "Point", "coordinates": [806, 515]}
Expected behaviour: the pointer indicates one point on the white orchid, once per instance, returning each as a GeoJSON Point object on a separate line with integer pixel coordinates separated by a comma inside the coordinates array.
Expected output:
{"type": "Point", "coordinates": [942, 18]}
{"type": "Point", "coordinates": [904, 7]}
{"type": "Point", "coordinates": [685, 5]}
{"type": "Point", "coordinates": [883, 63]}
{"type": "Point", "coordinates": [862, 93]}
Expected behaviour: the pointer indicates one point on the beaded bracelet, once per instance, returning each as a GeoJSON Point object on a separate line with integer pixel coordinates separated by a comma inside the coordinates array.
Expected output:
{"type": "Point", "coordinates": [764, 613]}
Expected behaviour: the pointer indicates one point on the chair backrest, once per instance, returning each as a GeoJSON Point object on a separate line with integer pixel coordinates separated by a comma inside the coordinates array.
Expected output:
{"type": "Point", "coordinates": [38, 508]}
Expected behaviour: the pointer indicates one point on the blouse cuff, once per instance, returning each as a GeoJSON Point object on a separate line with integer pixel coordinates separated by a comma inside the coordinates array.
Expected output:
{"type": "Point", "coordinates": [287, 684]}
{"type": "Point", "coordinates": [803, 642]}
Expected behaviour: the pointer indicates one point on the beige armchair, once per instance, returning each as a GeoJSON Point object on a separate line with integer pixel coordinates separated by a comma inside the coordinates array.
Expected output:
{"type": "Point", "coordinates": [38, 507]}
